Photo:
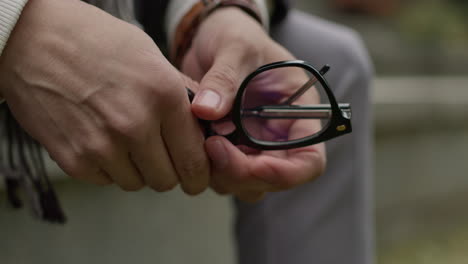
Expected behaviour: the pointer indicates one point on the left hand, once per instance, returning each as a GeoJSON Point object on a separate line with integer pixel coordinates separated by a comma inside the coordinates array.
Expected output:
{"type": "Point", "coordinates": [228, 46]}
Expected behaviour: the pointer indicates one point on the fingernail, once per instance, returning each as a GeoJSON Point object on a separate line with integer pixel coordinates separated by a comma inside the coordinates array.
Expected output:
{"type": "Point", "coordinates": [218, 155]}
{"type": "Point", "coordinates": [208, 98]}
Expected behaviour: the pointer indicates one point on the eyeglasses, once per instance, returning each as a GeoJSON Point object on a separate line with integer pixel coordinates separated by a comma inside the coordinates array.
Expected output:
{"type": "Point", "coordinates": [276, 109]}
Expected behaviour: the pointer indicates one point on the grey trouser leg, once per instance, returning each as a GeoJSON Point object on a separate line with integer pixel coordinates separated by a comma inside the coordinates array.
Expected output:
{"type": "Point", "coordinates": [328, 220]}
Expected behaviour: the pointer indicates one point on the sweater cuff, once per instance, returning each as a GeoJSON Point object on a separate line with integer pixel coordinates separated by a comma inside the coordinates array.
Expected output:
{"type": "Point", "coordinates": [178, 8]}
{"type": "Point", "coordinates": [10, 11]}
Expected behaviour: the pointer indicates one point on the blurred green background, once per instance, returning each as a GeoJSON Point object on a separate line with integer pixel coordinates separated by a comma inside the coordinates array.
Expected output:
{"type": "Point", "coordinates": [420, 99]}
{"type": "Point", "coordinates": [420, 52]}
{"type": "Point", "coordinates": [414, 37]}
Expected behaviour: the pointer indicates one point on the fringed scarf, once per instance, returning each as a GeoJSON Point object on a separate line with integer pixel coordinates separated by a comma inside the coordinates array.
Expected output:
{"type": "Point", "coordinates": [23, 170]}
{"type": "Point", "coordinates": [21, 163]}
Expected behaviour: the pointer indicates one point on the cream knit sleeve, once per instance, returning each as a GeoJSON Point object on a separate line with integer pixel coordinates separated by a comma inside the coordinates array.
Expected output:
{"type": "Point", "coordinates": [10, 11]}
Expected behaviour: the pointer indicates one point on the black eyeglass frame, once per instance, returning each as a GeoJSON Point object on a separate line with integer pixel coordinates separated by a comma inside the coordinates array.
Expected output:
{"type": "Point", "coordinates": [339, 123]}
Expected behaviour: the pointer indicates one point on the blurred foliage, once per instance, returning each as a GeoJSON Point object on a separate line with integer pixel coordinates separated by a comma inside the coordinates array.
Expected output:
{"type": "Point", "coordinates": [437, 22]}
{"type": "Point", "coordinates": [418, 37]}
{"type": "Point", "coordinates": [433, 248]}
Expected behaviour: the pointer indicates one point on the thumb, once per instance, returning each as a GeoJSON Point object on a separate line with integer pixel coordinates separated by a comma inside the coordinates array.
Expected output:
{"type": "Point", "coordinates": [218, 88]}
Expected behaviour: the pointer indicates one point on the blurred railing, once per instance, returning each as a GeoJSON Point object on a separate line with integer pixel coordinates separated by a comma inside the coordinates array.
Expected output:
{"type": "Point", "coordinates": [420, 177]}
{"type": "Point", "coordinates": [421, 169]}
{"type": "Point", "coordinates": [421, 129]}
{"type": "Point", "coordinates": [406, 111]}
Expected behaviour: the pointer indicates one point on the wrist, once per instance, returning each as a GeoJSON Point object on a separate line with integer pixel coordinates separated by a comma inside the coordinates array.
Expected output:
{"type": "Point", "coordinates": [40, 34]}
{"type": "Point", "coordinates": [182, 34]}
{"type": "Point", "coordinates": [216, 33]}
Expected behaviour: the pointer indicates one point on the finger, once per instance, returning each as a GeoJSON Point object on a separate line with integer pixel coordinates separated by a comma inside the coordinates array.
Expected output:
{"type": "Point", "coordinates": [151, 157]}
{"type": "Point", "coordinates": [296, 167]}
{"type": "Point", "coordinates": [217, 186]}
{"type": "Point", "coordinates": [268, 171]}
{"type": "Point", "coordinates": [185, 143]}
{"type": "Point", "coordinates": [123, 172]}
{"type": "Point", "coordinates": [251, 197]}
{"type": "Point", "coordinates": [97, 176]}
{"type": "Point", "coordinates": [219, 85]}
{"type": "Point", "coordinates": [103, 178]}
{"type": "Point", "coordinates": [94, 176]}
{"type": "Point", "coordinates": [79, 167]}
{"type": "Point", "coordinates": [231, 168]}
{"type": "Point", "coordinates": [114, 160]}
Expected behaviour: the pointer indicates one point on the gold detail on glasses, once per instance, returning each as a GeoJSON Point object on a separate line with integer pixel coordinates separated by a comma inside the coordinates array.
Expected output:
{"type": "Point", "coordinates": [341, 128]}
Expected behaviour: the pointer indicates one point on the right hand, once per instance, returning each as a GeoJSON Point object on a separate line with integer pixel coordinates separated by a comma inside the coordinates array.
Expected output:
{"type": "Point", "coordinates": [98, 94]}
{"type": "Point", "coordinates": [230, 44]}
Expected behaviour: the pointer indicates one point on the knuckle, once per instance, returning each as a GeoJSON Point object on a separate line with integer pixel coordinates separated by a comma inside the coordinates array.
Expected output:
{"type": "Point", "coordinates": [68, 164]}
{"type": "Point", "coordinates": [163, 186]}
{"type": "Point", "coordinates": [82, 170]}
{"type": "Point", "coordinates": [132, 187]}
{"type": "Point", "coordinates": [167, 90]}
{"type": "Point", "coordinates": [195, 167]}
{"type": "Point", "coordinates": [195, 175]}
{"type": "Point", "coordinates": [73, 171]}
{"type": "Point", "coordinates": [101, 150]}
{"type": "Point", "coordinates": [126, 122]}
{"type": "Point", "coordinates": [130, 129]}
{"type": "Point", "coordinates": [103, 181]}
{"type": "Point", "coordinates": [75, 167]}
{"type": "Point", "coordinates": [100, 178]}
{"type": "Point", "coordinates": [194, 190]}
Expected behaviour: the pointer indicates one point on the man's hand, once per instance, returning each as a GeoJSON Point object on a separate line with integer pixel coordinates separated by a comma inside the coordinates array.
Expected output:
{"type": "Point", "coordinates": [101, 98]}
{"type": "Point", "coordinates": [228, 46]}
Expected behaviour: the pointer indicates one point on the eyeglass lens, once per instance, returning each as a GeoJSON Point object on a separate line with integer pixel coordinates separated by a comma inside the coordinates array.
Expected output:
{"type": "Point", "coordinates": [284, 104]}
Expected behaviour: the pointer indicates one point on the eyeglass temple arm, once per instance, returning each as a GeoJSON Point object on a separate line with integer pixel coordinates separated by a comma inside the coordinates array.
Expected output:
{"type": "Point", "coordinates": [317, 111]}
{"type": "Point", "coordinates": [305, 87]}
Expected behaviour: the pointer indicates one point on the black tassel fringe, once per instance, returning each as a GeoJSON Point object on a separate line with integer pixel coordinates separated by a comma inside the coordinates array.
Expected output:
{"type": "Point", "coordinates": [22, 167]}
